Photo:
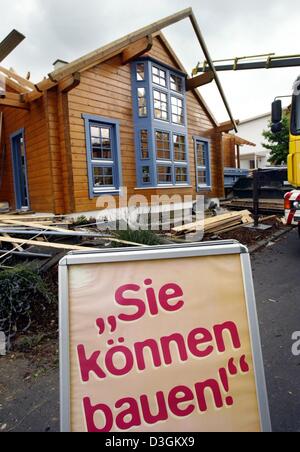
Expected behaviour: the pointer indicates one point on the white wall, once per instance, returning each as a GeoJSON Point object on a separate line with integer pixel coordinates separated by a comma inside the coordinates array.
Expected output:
{"type": "Point", "coordinates": [252, 131]}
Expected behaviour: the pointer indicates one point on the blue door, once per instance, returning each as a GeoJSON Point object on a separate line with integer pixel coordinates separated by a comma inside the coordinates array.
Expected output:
{"type": "Point", "coordinates": [20, 170]}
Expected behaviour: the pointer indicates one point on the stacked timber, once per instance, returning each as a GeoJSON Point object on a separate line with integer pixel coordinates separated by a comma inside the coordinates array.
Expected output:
{"type": "Point", "coordinates": [266, 205]}
{"type": "Point", "coordinates": [220, 223]}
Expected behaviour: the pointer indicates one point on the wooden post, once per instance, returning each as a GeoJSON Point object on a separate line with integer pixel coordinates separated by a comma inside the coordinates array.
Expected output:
{"type": "Point", "coordinates": [238, 156]}
{"type": "Point", "coordinates": [256, 192]}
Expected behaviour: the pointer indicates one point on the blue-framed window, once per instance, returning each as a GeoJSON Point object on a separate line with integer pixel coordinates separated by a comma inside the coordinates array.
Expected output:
{"type": "Point", "coordinates": [159, 101]}
{"type": "Point", "coordinates": [103, 155]}
{"type": "Point", "coordinates": [202, 160]}
{"type": "Point", "coordinates": [171, 158]}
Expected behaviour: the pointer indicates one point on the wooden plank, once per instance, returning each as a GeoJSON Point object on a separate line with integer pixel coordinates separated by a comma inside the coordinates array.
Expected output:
{"type": "Point", "coordinates": [12, 40]}
{"type": "Point", "coordinates": [137, 49]}
{"type": "Point", "coordinates": [15, 247]}
{"type": "Point", "coordinates": [212, 223]}
{"type": "Point", "coordinates": [22, 242]}
{"type": "Point", "coordinates": [33, 225]}
{"type": "Point", "coordinates": [46, 244]}
{"type": "Point", "coordinates": [200, 80]}
{"type": "Point", "coordinates": [28, 217]}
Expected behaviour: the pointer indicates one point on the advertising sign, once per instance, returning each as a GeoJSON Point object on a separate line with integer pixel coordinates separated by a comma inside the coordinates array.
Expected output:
{"type": "Point", "coordinates": [161, 339]}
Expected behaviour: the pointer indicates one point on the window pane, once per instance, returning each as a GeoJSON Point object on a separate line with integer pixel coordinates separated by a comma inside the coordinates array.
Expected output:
{"type": "Point", "coordinates": [144, 143]}
{"type": "Point", "coordinates": [201, 154]}
{"type": "Point", "coordinates": [160, 105]}
{"type": "Point", "coordinates": [103, 176]}
{"type": "Point", "coordinates": [179, 148]}
{"type": "Point", "coordinates": [159, 77]}
{"type": "Point", "coordinates": [177, 110]}
{"type": "Point", "coordinates": [163, 147]}
{"type": "Point", "coordinates": [105, 133]}
{"type": "Point", "coordinates": [146, 175]}
{"type": "Point", "coordinates": [95, 132]}
{"type": "Point", "coordinates": [142, 102]}
{"type": "Point", "coordinates": [164, 174]}
{"type": "Point", "coordinates": [202, 179]}
{"type": "Point", "coordinates": [181, 175]}
{"type": "Point", "coordinates": [176, 83]}
{"type": "Point", "coordinates": [101, 143]}
{"type": "Point", "coordinates": [140, 72]}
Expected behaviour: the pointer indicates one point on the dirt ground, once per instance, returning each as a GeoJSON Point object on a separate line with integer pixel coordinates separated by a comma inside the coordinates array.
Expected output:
{"type": "Point", "coordinates": [251, 236]}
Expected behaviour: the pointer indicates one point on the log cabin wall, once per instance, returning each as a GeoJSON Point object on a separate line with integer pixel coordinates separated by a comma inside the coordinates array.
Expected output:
{"type": "Point", "coordinates": [105, 90]}
{"type": "Point", "coordinates": [38, 158]}
{"type": "Point", "coordinates": [56, 142]}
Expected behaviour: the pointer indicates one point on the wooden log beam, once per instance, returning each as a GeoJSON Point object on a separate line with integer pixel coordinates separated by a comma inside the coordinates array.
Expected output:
{"type": "Point", "coordinates": [11, 96]}
{"type": "Point", "coordinates": [70, 83]}
{"type": "Point", "coordinates": [27, 84]}
{"type": "Point", "coordinates": [40, 88]}
{"type": "Point", "coordinates": [200, 80]}
{"type": "Point", "coordinates": [137, 49]}
{"type": "Point", "coordinates": [226, 126]}
{"type": "Point", "coordinates": [14, 85]}
{"type": "Point", "coordinates": [65, 86]}
{"type": "Point", "coordinates": [7, 102]}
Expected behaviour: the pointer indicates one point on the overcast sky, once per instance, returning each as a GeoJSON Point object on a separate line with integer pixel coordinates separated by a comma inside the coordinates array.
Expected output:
{"type": "Point", "coordinates": [67, 29]}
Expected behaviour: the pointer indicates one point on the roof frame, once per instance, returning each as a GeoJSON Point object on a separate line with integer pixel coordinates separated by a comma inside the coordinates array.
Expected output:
{"type": "Point", "coordinates": [118, 46]}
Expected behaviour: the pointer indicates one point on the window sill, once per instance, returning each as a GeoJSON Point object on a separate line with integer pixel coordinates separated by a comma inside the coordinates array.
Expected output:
{"type": "Point", "coordinates": [164, 187]}
{"type": "Point", "coordinates": [106, 192]}
{"type": "Point", "coordinates": [205, 188]}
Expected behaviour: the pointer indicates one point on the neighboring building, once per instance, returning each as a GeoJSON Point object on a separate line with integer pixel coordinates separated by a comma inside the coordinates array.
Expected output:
{"type": "Point", "coordinates": [252, 158]}
{"type": "Point", "coordinates": [124, 115]}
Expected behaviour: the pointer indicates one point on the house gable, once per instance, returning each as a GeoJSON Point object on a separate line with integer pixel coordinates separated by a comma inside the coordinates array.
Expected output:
{"type": "Point", "coordinates": [105, 90]}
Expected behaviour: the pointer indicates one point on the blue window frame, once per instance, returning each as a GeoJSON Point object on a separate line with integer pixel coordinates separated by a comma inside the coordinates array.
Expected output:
{"type": "Point", "coordinates": [161, 138]}
{"type": "Point", "coordinates": [103, 155]}
{"type": "Point", "coordinates": [202, 160]}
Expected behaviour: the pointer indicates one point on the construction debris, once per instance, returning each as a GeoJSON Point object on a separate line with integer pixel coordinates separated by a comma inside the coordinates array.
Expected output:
{"type": "Point", "coordinates": [219, 223]}
{"type": "Point", "coordinates": [26, 236]}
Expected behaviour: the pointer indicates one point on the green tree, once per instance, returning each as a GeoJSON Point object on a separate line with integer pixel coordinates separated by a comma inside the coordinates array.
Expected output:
{"type": "Point", "coordinates": [278, 143]}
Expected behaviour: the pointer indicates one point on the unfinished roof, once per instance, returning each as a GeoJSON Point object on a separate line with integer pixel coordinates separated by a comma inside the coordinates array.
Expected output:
{"type": "Point", "coordinates": [238, 140]}
{"type": "Point", "coordinates": [138, 40]}
{"type": "Point", "coordinates": [116, 47]}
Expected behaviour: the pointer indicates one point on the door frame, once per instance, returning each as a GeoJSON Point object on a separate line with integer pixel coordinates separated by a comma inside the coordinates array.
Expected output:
{"type": "Point", "coordinates": [16, 169]}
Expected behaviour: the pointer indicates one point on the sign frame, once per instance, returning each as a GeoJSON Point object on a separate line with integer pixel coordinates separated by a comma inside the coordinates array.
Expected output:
{"type": "Point", "coordinates": [224, 247]}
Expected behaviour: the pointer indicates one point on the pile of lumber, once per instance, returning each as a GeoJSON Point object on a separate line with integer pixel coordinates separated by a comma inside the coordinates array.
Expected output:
{"type": "Point", "coordinates": [220, 223]}
{"type": "Point", "coordinates": [265, 205]}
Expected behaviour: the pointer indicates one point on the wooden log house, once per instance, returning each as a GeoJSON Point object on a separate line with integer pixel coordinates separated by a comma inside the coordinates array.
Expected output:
{"type": "Point", "coordinates": [126, 115]}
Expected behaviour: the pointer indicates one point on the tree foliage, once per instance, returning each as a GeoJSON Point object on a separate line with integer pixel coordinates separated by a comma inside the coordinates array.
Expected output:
{"type": "Point", "coordinates": [278, 143]}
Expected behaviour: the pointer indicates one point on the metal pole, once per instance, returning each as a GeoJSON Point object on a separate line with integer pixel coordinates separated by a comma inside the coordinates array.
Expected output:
{"type": "Point", "coordinates": [238, 156]}
{"type": "Point", "coordinates": [211, 65]}
{"type": "Point", "coordinates": [256, 191]}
